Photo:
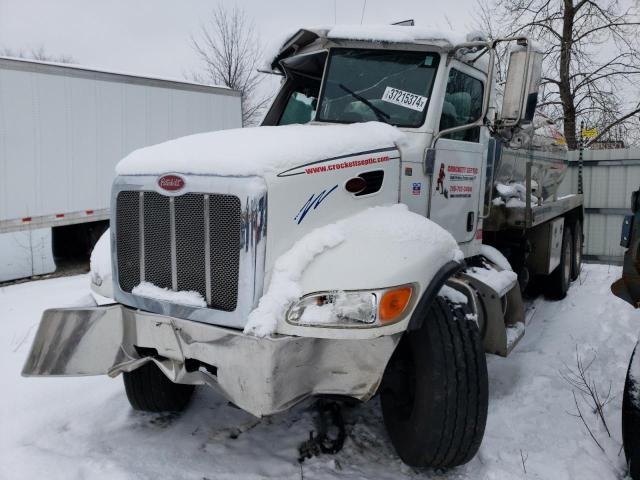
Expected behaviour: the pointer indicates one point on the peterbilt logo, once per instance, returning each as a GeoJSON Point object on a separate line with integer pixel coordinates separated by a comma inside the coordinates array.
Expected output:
{"type": "Point", "coordinates": [171, 182]}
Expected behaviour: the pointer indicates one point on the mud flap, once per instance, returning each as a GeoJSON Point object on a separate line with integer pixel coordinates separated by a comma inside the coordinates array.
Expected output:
{"type": "Point", "coordinates": [504, 316]}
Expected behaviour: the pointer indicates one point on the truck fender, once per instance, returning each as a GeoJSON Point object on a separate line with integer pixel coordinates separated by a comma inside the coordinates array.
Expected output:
{"type": "Point", "coordinates": [439, 279]}
{"type": "Point", "coordinates": [370, 262]}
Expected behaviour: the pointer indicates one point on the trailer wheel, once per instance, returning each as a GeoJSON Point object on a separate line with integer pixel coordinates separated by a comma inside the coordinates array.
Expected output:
{"type": "Point", "coordinates": [631, 420]}
{"type": "Point", "coordinates": [560, 278]}
{"type": "Point", "coordinates": [149, 390]}
{"type": "Point", "coordinates": [434, 392]}
{"type": "Point", "coordinates": [576, 257]}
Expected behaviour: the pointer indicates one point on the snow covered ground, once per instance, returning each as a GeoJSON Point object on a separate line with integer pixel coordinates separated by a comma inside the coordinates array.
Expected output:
{"type": "Point", "coordinates": [72, 428]}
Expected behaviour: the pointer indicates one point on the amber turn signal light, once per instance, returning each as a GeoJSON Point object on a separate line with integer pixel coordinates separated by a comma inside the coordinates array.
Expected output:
{"type": "Point", "coordinates": [393, 303]}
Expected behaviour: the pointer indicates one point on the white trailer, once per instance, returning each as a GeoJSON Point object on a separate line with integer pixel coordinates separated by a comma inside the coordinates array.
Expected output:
{"type": "Point", "coordinates": [63, 129]}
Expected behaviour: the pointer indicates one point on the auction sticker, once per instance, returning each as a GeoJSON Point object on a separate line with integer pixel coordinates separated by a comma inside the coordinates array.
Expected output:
{"type": "Point", "coordinates": [404, 99]}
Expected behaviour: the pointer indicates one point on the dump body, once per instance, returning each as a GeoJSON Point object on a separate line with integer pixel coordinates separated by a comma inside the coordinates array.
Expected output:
{"type": "Point", "coordinates": [539, 175]}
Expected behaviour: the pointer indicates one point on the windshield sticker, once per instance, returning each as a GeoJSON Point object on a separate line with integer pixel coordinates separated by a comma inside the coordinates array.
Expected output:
{"type": "Point", "coordinates": [404, 99]}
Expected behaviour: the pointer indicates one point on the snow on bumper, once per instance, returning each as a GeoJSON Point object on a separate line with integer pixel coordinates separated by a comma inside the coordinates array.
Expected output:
{"type": "Point", "coordinates": [260, 375]}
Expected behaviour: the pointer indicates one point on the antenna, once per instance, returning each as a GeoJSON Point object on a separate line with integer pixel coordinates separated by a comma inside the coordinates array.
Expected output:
{"type": "Point", "coordinates": [405, 23]}
{"type": "Point", "coordinates": [364, 6]}
{"type": "Point", "coordinates": [335, 12]}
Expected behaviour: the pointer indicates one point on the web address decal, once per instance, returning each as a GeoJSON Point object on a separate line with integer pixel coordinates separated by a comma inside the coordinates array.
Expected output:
{"type": "Point", "coordinates": [343, 163]}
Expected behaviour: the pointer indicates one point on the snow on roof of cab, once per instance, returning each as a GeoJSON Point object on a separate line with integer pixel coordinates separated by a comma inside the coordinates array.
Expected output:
{"type": "Point", "coordinates": [258, 150]}
{"type": "Point", "coordinates": [394, 34]}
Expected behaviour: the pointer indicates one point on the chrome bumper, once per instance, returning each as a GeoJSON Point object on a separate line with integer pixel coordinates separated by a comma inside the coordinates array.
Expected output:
{"type": "Point", "coordinates": [260, 375]}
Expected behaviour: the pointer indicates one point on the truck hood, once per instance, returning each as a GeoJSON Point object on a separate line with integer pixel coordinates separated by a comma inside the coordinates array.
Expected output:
{"type": "Point", "coordinates": [260, 151]}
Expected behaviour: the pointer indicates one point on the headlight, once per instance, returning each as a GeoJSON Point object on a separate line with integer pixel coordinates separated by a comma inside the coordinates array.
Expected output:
{"type": "Point", "coordinates": [351, 309]}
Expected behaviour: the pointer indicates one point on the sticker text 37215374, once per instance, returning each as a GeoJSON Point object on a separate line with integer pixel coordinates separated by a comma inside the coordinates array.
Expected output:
{"type": "Point", "coordinates": [404, 99]}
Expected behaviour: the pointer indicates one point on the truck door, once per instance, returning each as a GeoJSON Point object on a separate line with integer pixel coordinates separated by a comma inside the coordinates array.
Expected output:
{"type": "Point", "coordinates": [457, 171]}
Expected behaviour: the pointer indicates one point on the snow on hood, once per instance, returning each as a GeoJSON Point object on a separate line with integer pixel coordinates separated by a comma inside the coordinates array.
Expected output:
{"type": "Point", "coordinates": [395, 223]}
{"type": "Point", "coordinates": [258, 150]}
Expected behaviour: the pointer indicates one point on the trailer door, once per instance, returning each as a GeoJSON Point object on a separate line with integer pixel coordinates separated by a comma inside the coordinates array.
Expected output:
{"type": "Point", "coordinates": [457, 172]}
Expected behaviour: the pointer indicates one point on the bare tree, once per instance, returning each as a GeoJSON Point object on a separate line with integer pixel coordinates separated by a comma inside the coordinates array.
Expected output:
{"type": "Point", "coordinates": [592, 58]}
{"type": "Point", "coordinates": [39, 54]}
{"type": "Point", "coordinates": [230, 51]}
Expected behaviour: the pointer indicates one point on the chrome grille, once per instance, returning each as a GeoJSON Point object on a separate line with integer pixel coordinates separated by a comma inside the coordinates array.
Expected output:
{"type": "Point", "coordinates": [187, 242]}
{"type": "Point", "coordinates": [156, 236]}
{"type": "Point", "coordinates": [190, 243]}
{"type": "Point", "coordinates": [224, 229]}
{"type": "Point", "coordinates": [128, 245]}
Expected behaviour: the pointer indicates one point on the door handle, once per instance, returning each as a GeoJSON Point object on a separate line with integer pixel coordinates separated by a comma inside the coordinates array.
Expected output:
{"type": "Point", "coordinates": [429, 161]}
{"type": "Point", "coordinates": [470, 221]}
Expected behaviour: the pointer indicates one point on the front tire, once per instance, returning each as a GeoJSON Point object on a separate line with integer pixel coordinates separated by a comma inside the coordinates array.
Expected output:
{"type": "Point", "coordinates": [631, 418]}
{"type": "Point", "coordinates": [149, 390]}
{"type": "Point", "coordinates": [434, 392]}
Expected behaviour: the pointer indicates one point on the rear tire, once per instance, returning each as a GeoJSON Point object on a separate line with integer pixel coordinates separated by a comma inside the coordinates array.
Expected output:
{"type": "Point", "coordinates": [435, 391]}
{"type": "Point", "coordinates": [560, 278]}
{"type": "Point", "coordinates": [576, 257]}
{"type": "Point", "coordinates": [149, 390]}
{"type": "Point", "coordinates": [631, 420]}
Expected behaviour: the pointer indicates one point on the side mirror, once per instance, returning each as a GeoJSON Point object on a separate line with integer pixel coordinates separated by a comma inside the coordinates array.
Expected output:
{"type": "Point", "coordinates": [521, 88]}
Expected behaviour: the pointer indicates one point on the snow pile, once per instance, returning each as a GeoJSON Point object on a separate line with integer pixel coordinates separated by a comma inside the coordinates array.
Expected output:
{"type": "Point", "coordinates": [453, 295]}
{"type": "Point", "coordinates": [287, 271]}
{"type": "Point", "coordinates": [395, 223]}
{"type": "Point", "coordinates": [189, 297]}
{"type": "Point", "coordinates": [100, 262]}
{"type": "Point", "coordinates": [494, 255]}
{"type": "Point", "coordinates": [501, 281]}
{"type": "Point", "coordinates": [513, 195]}
{"type": "Point", "coordinates": [86, 428]}
{"type": "Point", "coordinates": [258, 150]}
{"type": "Point", "coordinates": [318, 315]}
{"type": "Point", "coordinates": [393, 34]}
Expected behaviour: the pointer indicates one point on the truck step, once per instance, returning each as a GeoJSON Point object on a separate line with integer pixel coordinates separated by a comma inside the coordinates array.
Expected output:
{"type": "Point", "coordinates": [514, 335]}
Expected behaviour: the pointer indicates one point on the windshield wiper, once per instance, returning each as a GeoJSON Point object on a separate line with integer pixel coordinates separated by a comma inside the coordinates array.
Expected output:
{"type": "Point", "coordinates": [380, 114]}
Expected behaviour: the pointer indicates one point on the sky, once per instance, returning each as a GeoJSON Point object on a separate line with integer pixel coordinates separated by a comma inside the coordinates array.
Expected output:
{"type": "Point", "coordinates": [152, 37]}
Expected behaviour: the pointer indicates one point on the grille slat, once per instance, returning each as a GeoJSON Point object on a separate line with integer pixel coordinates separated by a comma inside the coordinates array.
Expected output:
{"type": "Point", "coordinates": [157, 240]}
{"type": "Point", "coordinates": [189, 210]}
{"type": "Point", "coordinates": [128, 239]}
{"type": "Point", "coordinates": [187, 248]}
{"type": "Point", "coordinates": [224, 241]}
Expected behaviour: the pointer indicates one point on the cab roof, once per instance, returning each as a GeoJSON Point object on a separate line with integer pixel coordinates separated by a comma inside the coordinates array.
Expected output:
{"type": "Point", "coordinates": [400, 34]}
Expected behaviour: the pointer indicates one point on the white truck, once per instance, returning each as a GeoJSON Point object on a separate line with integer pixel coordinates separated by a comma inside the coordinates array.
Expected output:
{"type": "Point", "coordinates": [360, 241]}
{"type": "Point", "coordinates": [63, 128]}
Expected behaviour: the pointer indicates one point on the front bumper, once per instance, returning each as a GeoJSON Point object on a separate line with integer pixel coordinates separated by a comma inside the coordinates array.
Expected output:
{"type": "Point", "coordinates": [260, 375]}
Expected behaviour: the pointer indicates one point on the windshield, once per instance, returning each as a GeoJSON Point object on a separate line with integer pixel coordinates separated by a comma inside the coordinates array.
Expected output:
{"type": "Point", "coordinates": [387, 86]}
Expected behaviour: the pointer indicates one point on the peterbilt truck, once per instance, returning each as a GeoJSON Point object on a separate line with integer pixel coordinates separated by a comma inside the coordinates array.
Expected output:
{"type": "Point", "coordinates": [372, 237]}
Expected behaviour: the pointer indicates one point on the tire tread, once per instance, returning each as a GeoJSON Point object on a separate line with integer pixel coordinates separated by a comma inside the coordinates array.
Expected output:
{"type": "Point", "coordinates": [149, 390]}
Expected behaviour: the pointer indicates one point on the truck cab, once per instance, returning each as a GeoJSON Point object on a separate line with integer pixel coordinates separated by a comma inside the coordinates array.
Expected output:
{"type": "Point", "coordinates": [420, 87]}
{"type": "Point", "coordinates": [339, 248]}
